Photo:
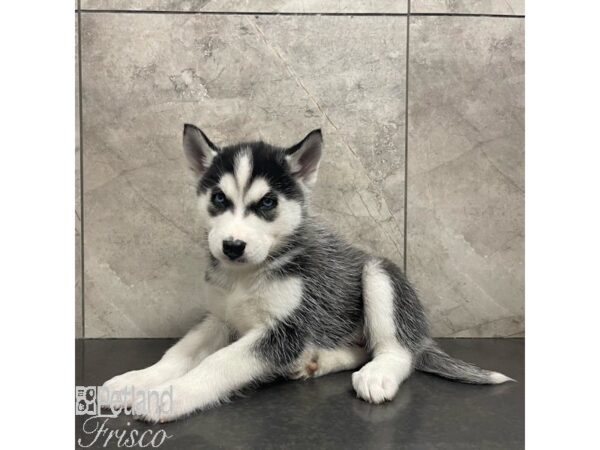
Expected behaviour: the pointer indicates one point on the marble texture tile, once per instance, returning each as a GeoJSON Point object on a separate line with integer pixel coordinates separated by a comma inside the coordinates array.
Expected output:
{"type": "Point", "coordinates": [504, 7]}
{"type": "Point", "coordinates": [238, 77]}
{"type": "Point", "coordinates": [78, 291]}
{"type": "Point", "coordinates": [466, 173]}
{"type": "Point", "coordinates": [146, 5]}
{"type": "Point", "coordinates": [263, 6]}
{"type": "Point", "coordinates": [78, 297]}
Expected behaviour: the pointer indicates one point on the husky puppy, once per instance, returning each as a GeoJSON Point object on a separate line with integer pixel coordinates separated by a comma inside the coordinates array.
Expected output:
{"type": "Point", "coordinates": [285, 295]}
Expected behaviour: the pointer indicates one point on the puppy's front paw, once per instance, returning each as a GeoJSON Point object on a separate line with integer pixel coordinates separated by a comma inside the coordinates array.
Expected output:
{"type": "Point", "coordinates": [374, 384]}
{"type": "Point", "coordinates": [116, 389]}
{"type": "Point", "coordinates": [120, 388]}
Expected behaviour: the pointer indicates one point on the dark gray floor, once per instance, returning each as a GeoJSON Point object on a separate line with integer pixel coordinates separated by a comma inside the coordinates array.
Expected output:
{"type": "Point", "coordinates": [323, 413]}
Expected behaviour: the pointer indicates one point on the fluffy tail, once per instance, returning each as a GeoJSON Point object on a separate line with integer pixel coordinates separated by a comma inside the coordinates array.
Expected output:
{"type": "Point", "coordinates": [434, 360]}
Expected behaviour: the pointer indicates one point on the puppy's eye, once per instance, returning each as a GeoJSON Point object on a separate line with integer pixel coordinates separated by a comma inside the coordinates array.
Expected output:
{"type": "Point", "coordinates": [267, 203]}
{"type": "Point", "coordinates": [218, 198]}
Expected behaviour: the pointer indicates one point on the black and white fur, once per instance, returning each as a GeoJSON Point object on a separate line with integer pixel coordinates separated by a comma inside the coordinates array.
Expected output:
{"type": "Point", "coordinates": [284, 294]}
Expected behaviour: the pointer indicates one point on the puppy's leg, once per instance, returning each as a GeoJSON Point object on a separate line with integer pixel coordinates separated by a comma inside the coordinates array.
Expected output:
{"type": "Point", "coordinates": [202, 340]}
{"type": "Point", "coordinates": [392, 362]}
{"type": "Point", "coordinates": [214, 380]}
{"type": "Point", "coordinates": [316, 362]}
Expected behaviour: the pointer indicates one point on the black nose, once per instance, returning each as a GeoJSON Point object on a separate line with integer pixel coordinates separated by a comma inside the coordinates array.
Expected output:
{"type": "Point", "coordinates": [233, 249]}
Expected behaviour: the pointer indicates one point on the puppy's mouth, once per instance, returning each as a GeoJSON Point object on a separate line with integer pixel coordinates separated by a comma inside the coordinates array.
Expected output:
{"type": "Point", "coordinates": [228, 262]}
{"type": "Point", "coordinates": [235, 262]}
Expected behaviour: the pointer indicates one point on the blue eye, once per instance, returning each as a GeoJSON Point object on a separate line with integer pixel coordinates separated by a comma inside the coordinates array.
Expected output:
{"type": "Point", "coordinates": [218, 198]}
{"type": "Point", "coordinates": [267, 203]}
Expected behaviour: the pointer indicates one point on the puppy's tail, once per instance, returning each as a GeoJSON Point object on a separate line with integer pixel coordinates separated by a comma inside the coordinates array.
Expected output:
{"type": "Point", "coordinates": [434, 360]}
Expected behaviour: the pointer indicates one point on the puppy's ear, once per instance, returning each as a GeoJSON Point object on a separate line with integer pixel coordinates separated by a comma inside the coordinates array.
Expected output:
{"type": "Point", "coordinates": [198, 149]}
{"type": "Point", "coordinates": [305, 156]}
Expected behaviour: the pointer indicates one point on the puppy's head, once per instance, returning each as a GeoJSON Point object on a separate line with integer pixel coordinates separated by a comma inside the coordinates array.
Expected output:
{"type": "Point", "coordinates": [251, 195]}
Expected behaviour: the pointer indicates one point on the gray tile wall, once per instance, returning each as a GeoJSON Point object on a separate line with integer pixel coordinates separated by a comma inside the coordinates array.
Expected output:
{"type": "Point", "coordinates": [262, 6]}
{"type": "Point", "coordinates": [465, 231]}
{"type": "Point", "coordinates": [78, 249]}
{"type": "Point", "coordinates": [276, 77]}
{"type": "Point", "coordinates": [501, 7]}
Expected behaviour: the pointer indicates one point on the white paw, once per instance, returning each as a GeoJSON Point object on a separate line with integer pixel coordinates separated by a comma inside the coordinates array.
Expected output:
{"type": "Point", "coordinates": [120, 388]}
{"type": "Point", "coordinates": [374, 384]}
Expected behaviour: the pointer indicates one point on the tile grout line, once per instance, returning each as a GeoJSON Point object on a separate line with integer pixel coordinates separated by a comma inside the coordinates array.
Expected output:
{"type": "Point", "coordinates": [406, 139]}
{"type": "Point", "coordinates": [81, 214]}
{"type": "Point", "coordinates": [272, 13]}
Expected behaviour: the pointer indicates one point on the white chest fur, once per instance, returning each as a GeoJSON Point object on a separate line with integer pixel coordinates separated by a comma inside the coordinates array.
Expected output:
{"type": "Point", "coordinates": [247, 302]}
